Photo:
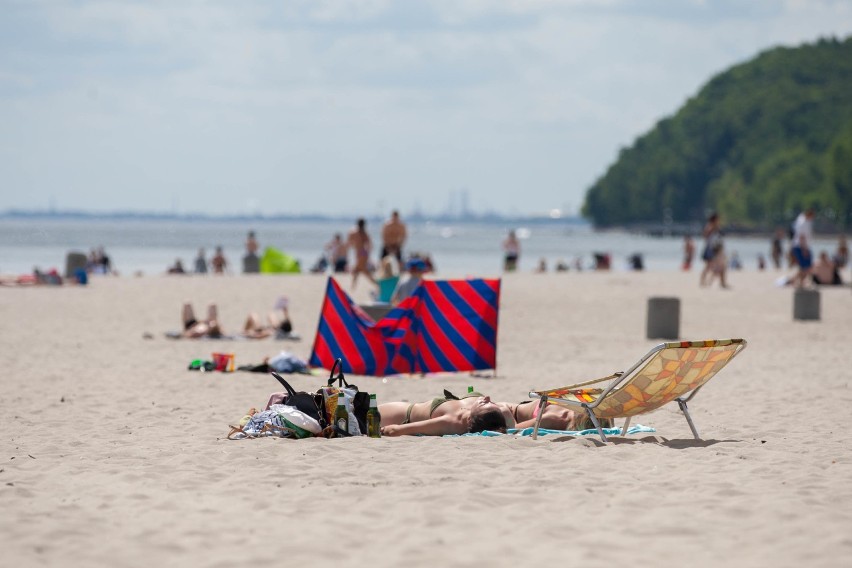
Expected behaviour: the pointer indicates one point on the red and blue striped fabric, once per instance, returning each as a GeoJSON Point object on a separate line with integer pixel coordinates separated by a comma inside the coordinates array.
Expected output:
{"type": "Point", "coordinates": [446, 325]}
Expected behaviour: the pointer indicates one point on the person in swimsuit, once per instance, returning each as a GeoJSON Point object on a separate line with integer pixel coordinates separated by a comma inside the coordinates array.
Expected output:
{"type": "Point", "coordinates": [554, 417]}
{"type": "Point", "coordinates": [280, 327]}
{"type": "Point", "coordinates": [359, 241]}
{"type": "Point", "coordinates": [194, 328]}
{"type": "Point", "coordinates": [441, 416]}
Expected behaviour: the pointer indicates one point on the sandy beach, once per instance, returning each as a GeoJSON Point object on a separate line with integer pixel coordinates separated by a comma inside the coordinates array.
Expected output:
{"type": "Point", "coordinates": [112, 453]}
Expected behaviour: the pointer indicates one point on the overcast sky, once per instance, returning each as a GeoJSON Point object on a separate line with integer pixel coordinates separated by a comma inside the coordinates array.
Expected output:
{"type": "Point", "coordinates": [354, 107]}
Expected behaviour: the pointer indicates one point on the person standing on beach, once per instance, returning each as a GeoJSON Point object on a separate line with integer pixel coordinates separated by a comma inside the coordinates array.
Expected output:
{"type": "Point", "coordinates": [201, 262]}
{"type": "Point", "coordinates": [777, 250]}
{"type": "Point", "coordinates": [336, 251]}
{"type": "Point", "coordinates": [803, 234]}
{"type": "Point", "coordinates": [251, 244]}
{"type": "Point", "coordinates": [688, 252]}
{"type": "Point", "coordinates": [713, 254]}
{"type": "Point", "coordinates": [841, 257]}
{"type": "Point", "coordinates": [219, 263]}
{"type": "Point", "coordinates": [359, 241]}
{"type": "Point", "coordinates": [512, 252]}
{"type": "Point", "coordinates": [394, 233]}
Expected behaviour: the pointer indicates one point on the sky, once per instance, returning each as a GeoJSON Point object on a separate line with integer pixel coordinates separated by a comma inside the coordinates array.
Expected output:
{"type": "Point", "coordinates": [355, 107]}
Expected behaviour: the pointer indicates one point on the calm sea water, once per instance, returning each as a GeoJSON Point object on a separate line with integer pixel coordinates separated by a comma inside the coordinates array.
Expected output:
{"type": "Point", "coordinates": [458, 249]}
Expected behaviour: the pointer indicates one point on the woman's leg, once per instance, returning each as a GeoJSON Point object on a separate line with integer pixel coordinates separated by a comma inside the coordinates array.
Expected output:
{"type": "Point", "coordinates": [212, 313]}
{"type": "Point", "coordinates": [393, 412]}
{"type": "Point", "coordinates": [187, 315]}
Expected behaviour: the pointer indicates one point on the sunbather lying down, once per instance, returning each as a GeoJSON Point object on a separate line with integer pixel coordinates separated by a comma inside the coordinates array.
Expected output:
{"type": "Point", "coordinates": [194, 328]}
{"type": "Point", "coordinates": [441, 416]}
{"type": "Point", "coordinates": [472, 413]}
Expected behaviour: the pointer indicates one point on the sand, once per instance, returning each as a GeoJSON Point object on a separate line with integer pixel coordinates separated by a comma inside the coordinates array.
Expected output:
{"type": "Point", "coordinates": [112, 453]}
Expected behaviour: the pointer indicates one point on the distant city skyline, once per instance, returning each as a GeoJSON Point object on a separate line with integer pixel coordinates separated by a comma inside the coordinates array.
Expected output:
{"type": "Point", "coordinates": [355, 107]}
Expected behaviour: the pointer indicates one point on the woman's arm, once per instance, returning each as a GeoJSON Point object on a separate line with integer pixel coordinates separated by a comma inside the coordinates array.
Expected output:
{"type": "Point", "coordinates": [438, 426]}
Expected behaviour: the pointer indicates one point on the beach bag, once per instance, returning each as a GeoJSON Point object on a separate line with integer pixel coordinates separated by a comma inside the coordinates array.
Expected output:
{"type": "Point", "coordinates": [280, 420]}
{"type": "Point", "coordinates": [356, 401]}
{"type": "Point", "coordinates": [299, 423]}
{"type": "Point", "coordinates": [302, 401]}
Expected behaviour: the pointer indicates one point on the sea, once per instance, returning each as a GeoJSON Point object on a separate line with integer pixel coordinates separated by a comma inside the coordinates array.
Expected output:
{"type": "Point", "coordinates": [457, 248]}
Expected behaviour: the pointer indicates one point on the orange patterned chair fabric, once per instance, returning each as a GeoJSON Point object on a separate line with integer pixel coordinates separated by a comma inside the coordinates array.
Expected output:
{"type": "Point", "coordinates": [668, 372]}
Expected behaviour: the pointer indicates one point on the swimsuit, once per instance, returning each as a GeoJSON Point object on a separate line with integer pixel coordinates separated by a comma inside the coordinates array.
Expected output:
{"type": "Point", "coordinates": [189, 323]}
{"type": "Point", "coordinates": [436, 402]}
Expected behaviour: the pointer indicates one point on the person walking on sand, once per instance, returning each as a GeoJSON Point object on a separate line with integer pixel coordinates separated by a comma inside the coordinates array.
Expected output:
{"type": "Point", "coordinates": [803, 234]}
{"type": "Point", "coordinates": [359, 241]}
{"type": "Point", "coordinates": [394, 233]}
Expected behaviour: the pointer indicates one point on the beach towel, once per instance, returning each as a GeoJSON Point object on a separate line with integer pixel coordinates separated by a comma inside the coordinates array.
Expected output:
{"type": "Point", "coordinates": [179, 335]}
{"type": "Point", "coordinates": [635, 429]}
{"type": "Point", "coordinates": [445, 326]}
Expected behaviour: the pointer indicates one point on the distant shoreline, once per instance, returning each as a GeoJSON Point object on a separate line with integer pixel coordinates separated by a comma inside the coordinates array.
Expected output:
{"type": "Point", "coordinates": [311, 217]}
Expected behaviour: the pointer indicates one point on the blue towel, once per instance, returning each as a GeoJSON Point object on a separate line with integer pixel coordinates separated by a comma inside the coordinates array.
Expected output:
{"type": "Point", "coordinates": [635, 429]}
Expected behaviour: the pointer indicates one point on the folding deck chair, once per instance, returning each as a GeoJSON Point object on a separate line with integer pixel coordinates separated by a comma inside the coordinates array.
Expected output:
{"type": "Point", "coordinates": [669, 371]}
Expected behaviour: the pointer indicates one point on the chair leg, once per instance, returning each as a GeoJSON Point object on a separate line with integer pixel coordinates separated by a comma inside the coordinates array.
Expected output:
{"type": "Point", "coordinates": [597, 425]}
{"type": "Point", "coordinates": [541, 404]}
{"type": "Point", "coordinates": [685, 410]}
{"type": "Point", "coordinates": [626, 426]}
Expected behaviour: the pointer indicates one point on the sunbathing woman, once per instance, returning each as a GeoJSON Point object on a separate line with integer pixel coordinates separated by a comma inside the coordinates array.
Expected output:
{"type": "Point", "coordinates": [554, 417]}
{"type": "Point", "coordinates": [194, 328]}
{"type": "Point", "coordinates": [441, 416]}
{"type": "Point", "coordinates": [282, 328]}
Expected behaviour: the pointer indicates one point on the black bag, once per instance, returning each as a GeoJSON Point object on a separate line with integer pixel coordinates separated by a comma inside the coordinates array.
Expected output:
{"type": "Point", "coordinates": [304, 402]}
{"type": "Point", "coordinates": [360, 400]}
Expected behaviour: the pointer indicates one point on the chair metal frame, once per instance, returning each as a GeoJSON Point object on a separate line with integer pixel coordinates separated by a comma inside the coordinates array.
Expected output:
{"type": "Point", "coordinates": [620, 378]}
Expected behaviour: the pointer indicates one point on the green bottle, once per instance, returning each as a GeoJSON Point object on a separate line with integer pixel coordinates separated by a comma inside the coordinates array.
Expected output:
{"type": "Point", "coordinates": [470, 389]}
{"type": "Point", "coordinates": [374, 419]}
{"type": "Point", "coordinates": [341, 415]}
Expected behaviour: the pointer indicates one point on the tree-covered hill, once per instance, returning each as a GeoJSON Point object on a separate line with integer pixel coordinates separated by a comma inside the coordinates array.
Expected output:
{"type": "Point", "coordinates": [759, 142]}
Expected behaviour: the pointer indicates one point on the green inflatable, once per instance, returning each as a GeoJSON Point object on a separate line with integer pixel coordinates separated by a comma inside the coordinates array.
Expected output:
{"type": "Point", "coordinates": [274, 261]}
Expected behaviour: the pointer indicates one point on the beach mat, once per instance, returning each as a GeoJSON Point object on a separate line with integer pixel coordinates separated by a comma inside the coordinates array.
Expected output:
{"type": "Point", "coordinates": [635, 429]}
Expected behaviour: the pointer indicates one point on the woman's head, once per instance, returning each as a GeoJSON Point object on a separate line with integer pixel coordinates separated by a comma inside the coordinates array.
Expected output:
{"type": "Point", "coordinates": [486, 415]}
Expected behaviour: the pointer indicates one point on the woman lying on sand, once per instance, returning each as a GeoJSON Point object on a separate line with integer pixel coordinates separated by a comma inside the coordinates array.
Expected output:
{"type": "Point", "coordinates": [194, 328]}
{"type": "Point", "coordinates": [474, 413]}
{"type": "Point", "coordinates": [441, 416]}
{"type": "Point", "coordinates": [252, 328]}
{"type": "Point", "coordinates": [554, 417]}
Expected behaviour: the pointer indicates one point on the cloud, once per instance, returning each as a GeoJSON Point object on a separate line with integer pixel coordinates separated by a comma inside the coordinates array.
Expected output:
{"type": "Point", "coordinates": [321, 104]}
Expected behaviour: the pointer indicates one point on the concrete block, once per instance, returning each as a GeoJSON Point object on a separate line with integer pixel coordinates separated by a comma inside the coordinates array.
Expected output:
{"type": "Point", "coordinates": [805, 304]}
{"type": "Point", "coordinates": [74, 261]}
{"type": "Point", "coordinates": [663, 318]}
